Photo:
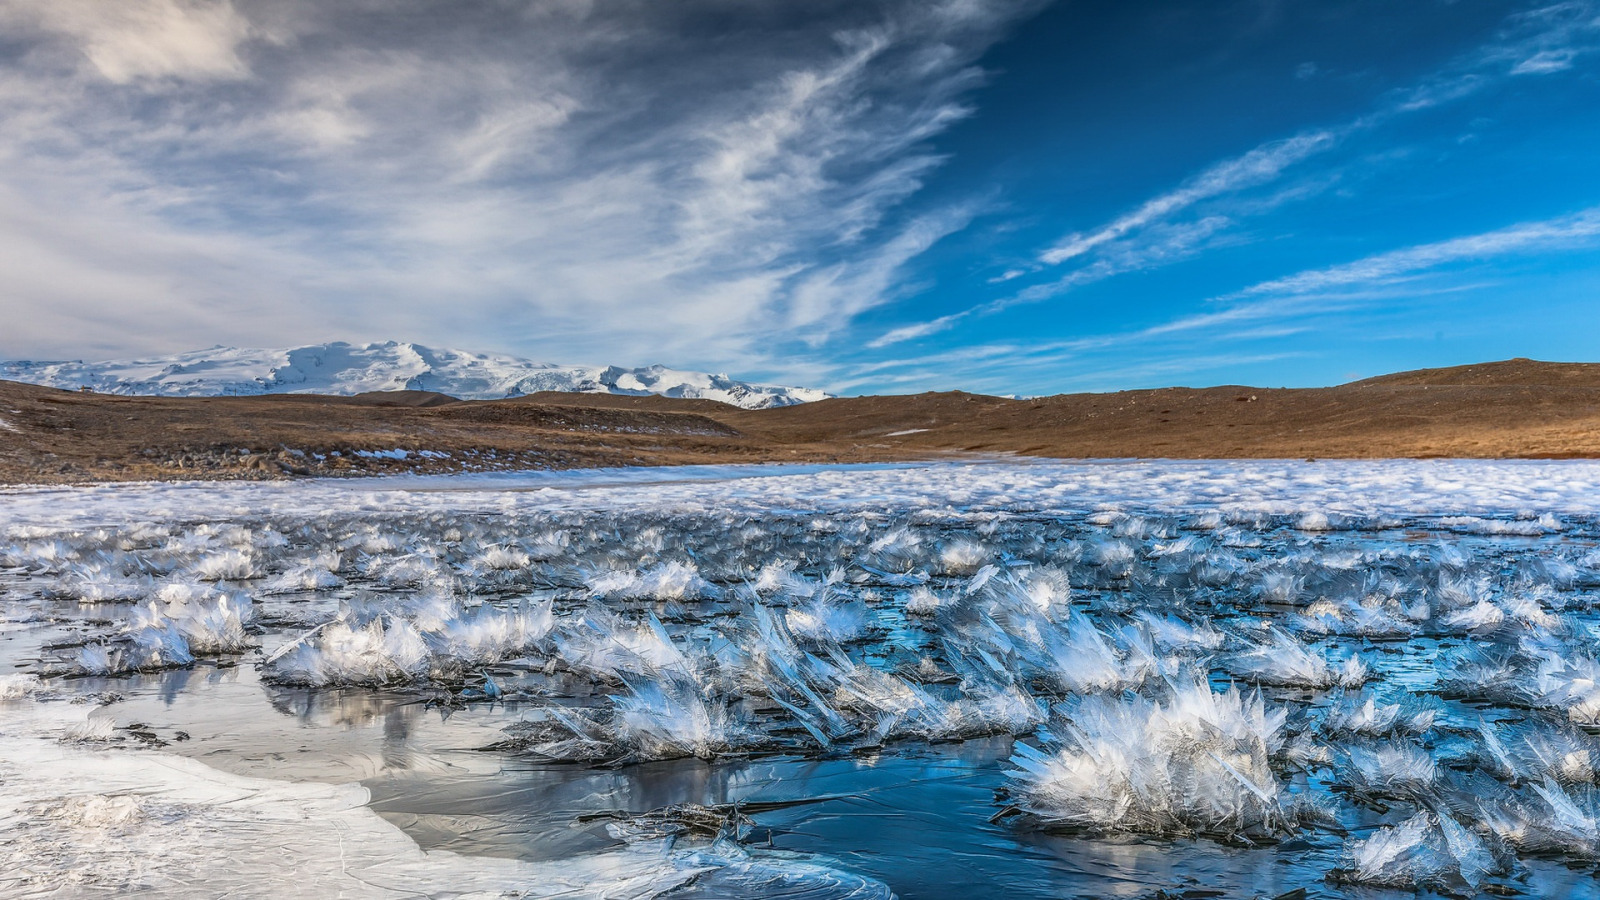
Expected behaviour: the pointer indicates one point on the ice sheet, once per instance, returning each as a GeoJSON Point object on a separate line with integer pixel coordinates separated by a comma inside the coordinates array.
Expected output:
{"type": "Point", "coordinates": [1388, 666]}
{"type": "Point", "coordinates": [1350, 488]}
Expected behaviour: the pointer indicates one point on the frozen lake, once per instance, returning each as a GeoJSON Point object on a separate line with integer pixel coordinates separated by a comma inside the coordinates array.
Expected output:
{"type": "Point", "coordinates": [992, 678]}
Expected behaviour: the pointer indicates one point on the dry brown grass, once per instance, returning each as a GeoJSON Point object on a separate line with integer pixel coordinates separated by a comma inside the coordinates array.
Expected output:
{"type": "Point", "coordinates": [1517, 408]}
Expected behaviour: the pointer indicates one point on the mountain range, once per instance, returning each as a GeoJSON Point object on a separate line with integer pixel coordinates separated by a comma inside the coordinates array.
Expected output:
{"type": "Point", "coordinates": [346, 369]}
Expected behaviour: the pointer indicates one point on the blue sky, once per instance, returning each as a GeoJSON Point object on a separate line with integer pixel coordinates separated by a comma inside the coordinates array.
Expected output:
{"type": "Point", "coordinates": [1007, 196]}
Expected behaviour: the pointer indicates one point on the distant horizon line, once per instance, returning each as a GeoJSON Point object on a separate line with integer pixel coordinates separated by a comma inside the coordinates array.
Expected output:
{"type": "Point", "coordinates": [7, 362]}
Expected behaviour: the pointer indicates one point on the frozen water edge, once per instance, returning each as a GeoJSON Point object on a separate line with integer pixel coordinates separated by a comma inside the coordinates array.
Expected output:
{"type": "Point", "coordinates": [96, 823]}
{"type": "Point", "coordinates": [1360, 488]}
{"type": "Point", "coordinates": [79, 817]}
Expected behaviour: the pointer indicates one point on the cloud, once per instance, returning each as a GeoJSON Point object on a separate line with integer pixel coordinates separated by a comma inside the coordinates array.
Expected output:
{"type": "Point", "coordinates": [1161, 244]}
{"type": "Point", "coordinates": [1263, 313]}
{"type": "Point", "coordinates": [916, 330]}
{"type": "Point", "coordinates": [574, 181]}
{"type": "Point", "coordinates": [1543, 40]}
{"type": "Point", "coordinates": [1383, 277]}
{"type": "Point", "coordinates": [1544, 62]}
{"type": "Point", "coordinates": [1547, 39]}
{"type": "Point", "coordinates": [1097, 363]}
{"type": "Point", "coordinates": [1252, 169]}
{"type": "Point", "coordinates": [1165, 228]}
{"type": "Point", "coordinates": [825, 301]}
{"type": "Point", "coordinates": [1576, 230]}
{"type": "Point", "coordinates": [144, 39]}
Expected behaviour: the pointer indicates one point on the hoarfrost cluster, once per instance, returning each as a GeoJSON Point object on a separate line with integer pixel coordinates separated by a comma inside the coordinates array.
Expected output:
{"type": "Point", "coordinates": [1414, 695]}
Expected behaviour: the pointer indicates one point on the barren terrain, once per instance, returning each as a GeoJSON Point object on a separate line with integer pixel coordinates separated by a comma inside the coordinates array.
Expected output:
{"type": "Point", "coordinates": [1513, 409]}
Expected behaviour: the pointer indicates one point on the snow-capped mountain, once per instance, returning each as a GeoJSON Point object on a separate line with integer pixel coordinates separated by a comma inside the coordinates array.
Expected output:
{"type": "Point", "coordinates": [340, 368]}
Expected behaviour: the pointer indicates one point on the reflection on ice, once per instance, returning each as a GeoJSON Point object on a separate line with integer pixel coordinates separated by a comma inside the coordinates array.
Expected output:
{"type": "Point", "coordinates": [163, 826]}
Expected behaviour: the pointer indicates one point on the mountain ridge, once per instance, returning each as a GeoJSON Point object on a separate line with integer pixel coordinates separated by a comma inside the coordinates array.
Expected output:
{"type": "Point", "coordinates": [342, 369]}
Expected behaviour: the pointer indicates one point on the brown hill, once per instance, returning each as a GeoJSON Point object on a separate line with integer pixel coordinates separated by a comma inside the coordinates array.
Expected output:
{"type": "Point", "coordinates": [1521, 372]}
{"type": "Point", "coordinates": [1517, 408]}
{"type": "Point", "coordinates": [366, 398]}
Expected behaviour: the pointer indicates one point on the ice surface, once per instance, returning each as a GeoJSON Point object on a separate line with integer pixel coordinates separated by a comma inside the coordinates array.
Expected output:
{"type": "Point", "coordinates": [17, 687]}
{"type": "Point", "coordinates": [1389, 666]}
{"type": "Point", "coordinates": [86, 823]}
{"type": "Point", "coordinates": [1366, 492]}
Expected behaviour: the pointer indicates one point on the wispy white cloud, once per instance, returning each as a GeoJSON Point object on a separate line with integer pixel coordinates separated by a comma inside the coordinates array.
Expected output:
{"type": "Point", "coordinates": [1254, 168]}
{"type": "Point", "coordinates": [1547, 39]}
{"type": "Point", "coordinates": [144, 39]}
{"type": "Point", "coordinates": [1566, 232]}
{"type": "Point", "coordinates": [574, 181]}
{"type": "Point", "coordinates": [1264, 313]}
{"type": "Point", "coordinates": [1164, 229]}
{"type": "Point", "coordinates": [1540, 41]}
{"type": "Point", "coordinates": [1160, 244]}
{"type": "Point", "coordinates": [825, 301]}
{"type": "Point", "coordinates": [1386, 277]}
{"type": "Point", "coordinates": [915, 330]}
{"type": "Point", "coordinates": [1544, 62]}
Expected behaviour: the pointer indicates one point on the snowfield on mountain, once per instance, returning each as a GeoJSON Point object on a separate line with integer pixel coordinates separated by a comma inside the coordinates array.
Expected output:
{"type": "Point", "coordinates": [343, 369]}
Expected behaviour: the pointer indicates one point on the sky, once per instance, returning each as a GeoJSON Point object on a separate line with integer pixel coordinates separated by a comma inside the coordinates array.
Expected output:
{"type": "Point", "coordinates": [867, 196]}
